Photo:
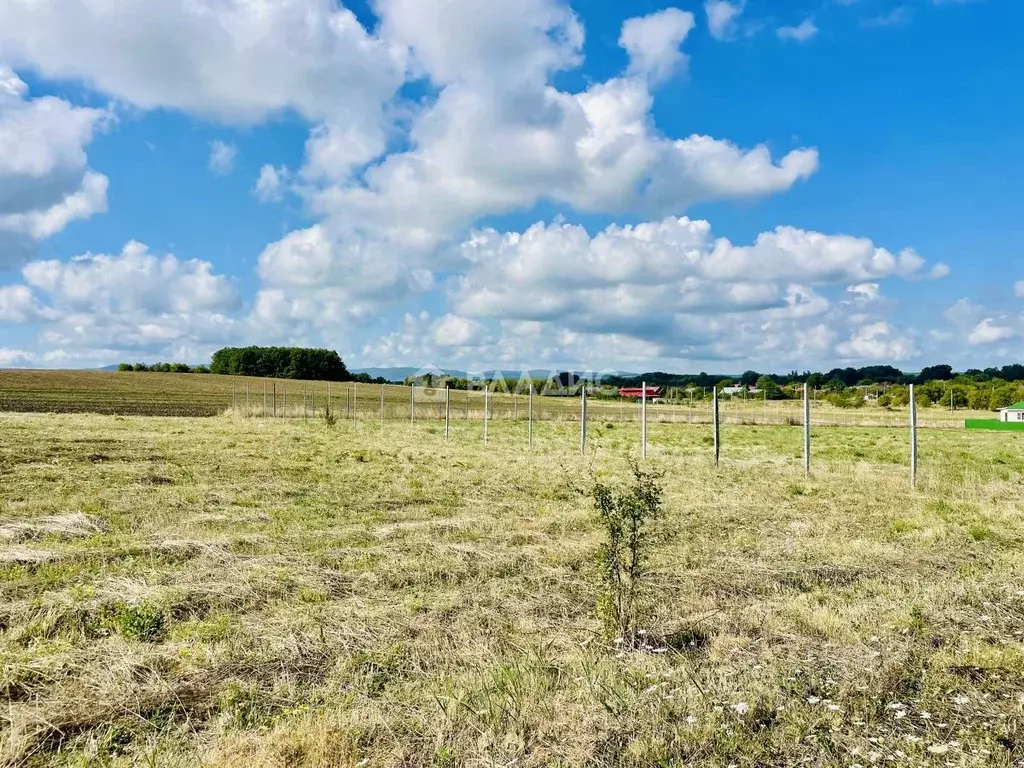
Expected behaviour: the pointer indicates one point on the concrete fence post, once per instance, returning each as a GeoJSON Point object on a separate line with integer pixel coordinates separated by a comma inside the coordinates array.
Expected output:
{"type": "Point", "coordinates": [447, 410]}
{"type": "Point", "coordinates": [807, 430]}
{"type": "Point", "coordinates": [913, 438]}
{"type": "Point", "coordinates": [643, 420]}
{"type": "Point", "coordinates": [715, 427]}
{"type": "Point", "coordinates": [529, 423]}
{"type": "Point", "coordinates": [583, 419]}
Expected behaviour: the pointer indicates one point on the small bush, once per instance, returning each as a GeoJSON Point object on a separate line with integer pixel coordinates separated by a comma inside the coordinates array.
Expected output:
{"type": "Point", "coordinates": [143, 622]}
{"type": "Point", "coordinates": [330, 419]}
{"type": "Point", "coordinates": [628, 516]}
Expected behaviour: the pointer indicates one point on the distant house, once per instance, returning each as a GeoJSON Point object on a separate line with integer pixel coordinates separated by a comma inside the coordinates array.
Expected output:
{"type": "Point", "coordinates": [1014, 412]}
{"type": "Point", "coordinates": [739, 389]}
{"type": "Point", "coordinates": [638, 392]}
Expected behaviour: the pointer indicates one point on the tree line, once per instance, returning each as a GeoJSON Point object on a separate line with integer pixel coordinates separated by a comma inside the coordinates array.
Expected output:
{"type": "Point", "coordinates": [848, 377]}
{"type": "Point", "coordinates": [163, 367]}
{"type": "Point", "coordinates": [267, 362]}
{"type": "Point", "coordinates": [280, 363]}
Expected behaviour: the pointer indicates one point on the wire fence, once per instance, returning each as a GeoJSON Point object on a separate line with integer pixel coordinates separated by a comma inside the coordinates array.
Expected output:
{"type": "Point", "coordinates": [154, 394]}
{"type": "Point", "coordinates": [376, 402]}
{"type": "Point", "coordinates": [384, 403]}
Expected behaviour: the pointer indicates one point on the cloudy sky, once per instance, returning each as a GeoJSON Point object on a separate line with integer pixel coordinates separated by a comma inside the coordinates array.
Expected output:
{"type": "Point", "coordinates": [713, 185]}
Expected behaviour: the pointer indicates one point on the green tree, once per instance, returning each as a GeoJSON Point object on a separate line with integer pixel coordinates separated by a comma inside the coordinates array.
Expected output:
{"type": "Point", "coordinates": [750, 378]}
{"type": "Point", "coordinates": [280, 362]}
{"type": "Point", "coordinates": [770, 390]}
{"type": "Point", "coordinates": [931, 392]}
{"type": "Point", "coordinates": [1002, 397]}
{"type": "Point", "coordinates": [900, 395]}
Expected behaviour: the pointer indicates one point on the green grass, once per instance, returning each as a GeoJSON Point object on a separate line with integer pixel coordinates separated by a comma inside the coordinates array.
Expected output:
{"type": "Point", "coordinates": [282, 593]}
{"type": "Point", "coordinates": [995, 424]}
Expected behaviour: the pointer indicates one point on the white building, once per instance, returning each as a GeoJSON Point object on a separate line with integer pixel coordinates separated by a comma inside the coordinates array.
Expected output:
{"type": "Point", "coordinates": [1014, 413]}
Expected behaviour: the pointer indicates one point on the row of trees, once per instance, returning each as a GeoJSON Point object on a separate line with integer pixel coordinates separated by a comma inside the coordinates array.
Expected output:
{"type": "Point", "coordinates": [270, 362]}
{"type": "Point", "coordinates": [836, 378]}
{"type": "Point", "coordinates": [959, 392]}
{"type": "Point", "coordinates": [280, 363]}
{"type": "Point", "coordinates": [163, 367]}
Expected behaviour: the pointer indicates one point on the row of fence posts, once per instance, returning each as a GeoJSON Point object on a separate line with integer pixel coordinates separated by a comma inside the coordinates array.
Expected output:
{"type": "Point", "coordinates": [308, 400]}
{"type": "Point", "coordinates": [715, 411]}
{"type": "Point", "coordinates": [716, 425]}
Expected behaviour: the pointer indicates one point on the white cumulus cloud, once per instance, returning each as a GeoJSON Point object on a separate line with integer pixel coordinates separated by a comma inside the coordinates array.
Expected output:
{"type": "Point", "coordinates": [722, 16]}
{"type": "Point", "coordinates": [18, 305]}
{"type": "Point", "coordinates": [133, 280]}
{"type": "Point", "coordinates": [455, 331]}
{"type": "Point", "coordinates": [671, 284]}
{"type": "Point", "coordinates": [222, 157]}
{"type": "Point", "coordinates": [268, 187]}
{"type": "Point", "coordinates": [988, 332]}
{"type": "Point", "coordinates": [879, 342]}
{"type": "Point", "coordinates": [94, 307]}
{"type": "Point", "coordinates": [237, 60]}
{"type": "Point", "coordinates": [801, 33]}
{"type": "Point", "coordinates": [496, 136]}
{"type": "Point", "coordinates": [653, 42]}
{"type": "Point", "coordinates": [45, 181]}
{"type": "Point", "coordinates": [596, 150]}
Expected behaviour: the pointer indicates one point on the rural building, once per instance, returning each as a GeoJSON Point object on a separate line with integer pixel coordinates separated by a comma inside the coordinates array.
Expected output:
{"type": "Point", "coordinates": [638, 392]}
{"type": "Point", "coordinates": [1014, 412]}
{"type": "Point", "coordinates": [739, 389]}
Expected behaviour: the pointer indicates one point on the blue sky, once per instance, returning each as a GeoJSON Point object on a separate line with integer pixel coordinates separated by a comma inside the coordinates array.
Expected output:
{"type": "Point", "coordinates": [715, 185]}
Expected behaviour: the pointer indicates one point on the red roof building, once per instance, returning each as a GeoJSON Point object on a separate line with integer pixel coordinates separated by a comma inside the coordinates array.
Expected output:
{"type": "Point", "coordinates": [638, 392]}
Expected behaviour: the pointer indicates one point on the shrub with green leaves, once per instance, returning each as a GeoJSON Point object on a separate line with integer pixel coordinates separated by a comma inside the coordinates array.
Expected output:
{"type": "Point", "coordinates": [629, 516]}
{"type": "Point", "coordinates": [143, 622]}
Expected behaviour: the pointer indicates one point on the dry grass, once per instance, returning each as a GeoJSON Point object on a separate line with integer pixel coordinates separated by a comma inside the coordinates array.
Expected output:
{"type": "Point", "coordinates": [280, 593]}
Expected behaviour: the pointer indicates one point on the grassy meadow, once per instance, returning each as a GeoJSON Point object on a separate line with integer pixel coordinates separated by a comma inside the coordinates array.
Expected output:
{"type": "Point", "coordinates": [260, 592]}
